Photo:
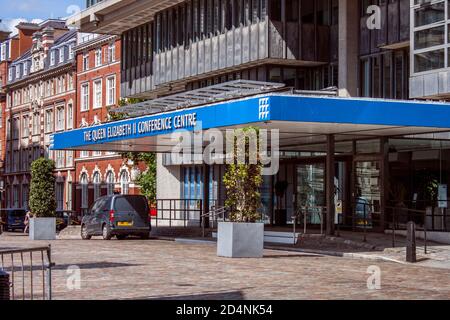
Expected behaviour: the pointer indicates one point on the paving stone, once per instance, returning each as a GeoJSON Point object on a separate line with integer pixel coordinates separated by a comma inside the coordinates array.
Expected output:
{"type": "Point", "coordinates": [137, 269]}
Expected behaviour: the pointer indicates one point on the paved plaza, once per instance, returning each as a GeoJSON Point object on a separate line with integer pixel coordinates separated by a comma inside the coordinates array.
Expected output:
{"type": "Point", "coordinates": [154, 269]}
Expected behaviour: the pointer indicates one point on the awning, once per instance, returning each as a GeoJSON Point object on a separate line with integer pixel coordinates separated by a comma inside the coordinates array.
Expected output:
{"type": "Point", "coordinates": [117, 16]}
{"type": "Point", "coordinates": [300, 120]}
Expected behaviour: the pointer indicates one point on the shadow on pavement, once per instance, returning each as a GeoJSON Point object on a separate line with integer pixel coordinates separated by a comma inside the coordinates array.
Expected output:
{"type": "Point", "coordinates": [281, 256]}
{"type": "Point", "coordinates": [229, 295]}
{"type": "Point", "coordinates": [82, 266]}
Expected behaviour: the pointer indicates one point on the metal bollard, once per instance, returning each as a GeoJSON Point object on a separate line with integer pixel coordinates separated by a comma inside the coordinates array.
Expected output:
{"type": "Point", "coordinates": [411, 243]}
{"type": "Point", "coordinates": [4, 286]}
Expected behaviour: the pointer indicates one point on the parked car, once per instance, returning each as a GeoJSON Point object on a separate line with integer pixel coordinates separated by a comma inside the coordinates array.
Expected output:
{"type": "Point", "coordinates": [117, 215]}
{"type": "Point", "coordinates": [13, 219]}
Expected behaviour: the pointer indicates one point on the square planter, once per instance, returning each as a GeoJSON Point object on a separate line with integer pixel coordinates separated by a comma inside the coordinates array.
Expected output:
{"type": "Point", "coordinates": [240, 240]}
{"type": "Point", "coordinates": [42, 229]}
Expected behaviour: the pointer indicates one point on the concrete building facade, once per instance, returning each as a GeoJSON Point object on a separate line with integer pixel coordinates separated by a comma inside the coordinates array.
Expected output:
{"type": "Point", "coordinates": [392, 50]}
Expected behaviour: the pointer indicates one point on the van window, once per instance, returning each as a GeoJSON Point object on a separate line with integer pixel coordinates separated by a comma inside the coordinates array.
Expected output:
{"type": "Point", "coordinates": [131, 203]}
{"type": "Point", "coordinates": [107, 204]}
{"type": "Point", "coordinates": [18, 214]}
{"type": "Point", "coordinates": [98, 205]}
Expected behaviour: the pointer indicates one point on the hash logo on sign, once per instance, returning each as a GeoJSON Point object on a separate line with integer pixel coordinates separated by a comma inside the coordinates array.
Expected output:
{"type": "Point", "coordinates": [264, 108]}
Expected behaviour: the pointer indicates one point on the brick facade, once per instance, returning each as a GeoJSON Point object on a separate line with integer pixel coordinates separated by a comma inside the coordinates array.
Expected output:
{"type": "Point", "coordinates": [98, 88]}
{"type": "Point", "coordinates": [76, 81]}
{"type": "Point", "coordinates": [40, 100]}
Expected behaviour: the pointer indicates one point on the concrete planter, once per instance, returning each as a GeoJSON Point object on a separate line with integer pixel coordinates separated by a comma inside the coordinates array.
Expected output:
{"type": "Point", "coordinates": [240, 240]}
{"type": "Point", "coordinates": [43, 229]}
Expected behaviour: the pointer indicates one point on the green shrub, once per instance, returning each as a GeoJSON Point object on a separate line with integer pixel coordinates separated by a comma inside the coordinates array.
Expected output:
{"type": "Point", "coordinates": [42, 188]}
{"type": "Point", "coordinates": [242, 182]}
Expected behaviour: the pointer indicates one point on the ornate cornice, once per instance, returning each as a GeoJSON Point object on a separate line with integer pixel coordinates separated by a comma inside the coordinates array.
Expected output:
{"type": "Point", "coordinates": [41, 75]}
{"type": "Point", "coordinates": [92, 44]}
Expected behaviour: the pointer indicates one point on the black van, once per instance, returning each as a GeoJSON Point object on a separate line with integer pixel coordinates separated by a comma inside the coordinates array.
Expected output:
{"type": "Point", "coordinates": [13, 219]}
{"type": "Point", "coordinates": [117, 215]}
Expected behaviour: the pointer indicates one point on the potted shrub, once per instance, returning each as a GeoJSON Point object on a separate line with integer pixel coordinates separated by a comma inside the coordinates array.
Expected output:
{"type": "Point", "coordinates": [243, 236]}
{"type": "Point", "coordinates": [42, 200]}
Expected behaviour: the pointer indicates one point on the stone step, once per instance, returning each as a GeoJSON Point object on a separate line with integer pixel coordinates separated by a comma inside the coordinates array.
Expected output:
{"type": "Point", "coordinates": [275, 237]}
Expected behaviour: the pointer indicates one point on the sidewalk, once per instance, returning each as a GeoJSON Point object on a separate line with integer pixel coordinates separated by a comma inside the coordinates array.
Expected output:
{"type": "Point", "coordinates": [378, 247]}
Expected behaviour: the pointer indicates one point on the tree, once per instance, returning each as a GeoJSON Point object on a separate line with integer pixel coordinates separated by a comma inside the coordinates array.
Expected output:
{"type": "Point", "coordinates": [42, 188]}
{"type": "Point", "coordinates": [147, 179]}
{"type": "Point", "coordinates": [242, 182]}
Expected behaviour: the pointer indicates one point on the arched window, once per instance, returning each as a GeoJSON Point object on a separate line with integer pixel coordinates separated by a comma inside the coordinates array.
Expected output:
{"type": "Point", "coordinates": [59, 196]}
{"type": "Point", "coordinates": [25, 196]}
{"type": "Point", "coordinates": [97, 183]}
{"type": "Point", "coordinates": [124, 182]}
{"type": "Point", "coordinates": [84, 191]}
{"type": "Point", "coordinates": [110, 183]}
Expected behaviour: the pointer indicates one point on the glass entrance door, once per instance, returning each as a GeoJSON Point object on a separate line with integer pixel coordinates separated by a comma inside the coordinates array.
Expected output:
{"type": "Point", "coordinates": [311, 191]}
{"type": "Point", "coordinates": [367, 207]}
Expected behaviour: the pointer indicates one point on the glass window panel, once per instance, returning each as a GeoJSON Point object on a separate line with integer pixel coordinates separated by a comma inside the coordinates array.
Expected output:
{"type": "Point", "coordinates": [429, 60]}
{"type": "Point", "coordinates": [292, 10]}
{"type": "Point", "coordinates": [429, 37]}
{"type": "Point", "coordinates": [368, 146]}
{"type": "Point", "coordinates": [429, 14]}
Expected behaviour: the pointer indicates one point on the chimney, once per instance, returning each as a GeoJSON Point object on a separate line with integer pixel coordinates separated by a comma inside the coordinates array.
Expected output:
{"type": "Point", "coordinates": [48, 38]}
{"type": "Point", "coordinates": [4, 35]}
{"type": "Point", "coordinates": [26, 31]}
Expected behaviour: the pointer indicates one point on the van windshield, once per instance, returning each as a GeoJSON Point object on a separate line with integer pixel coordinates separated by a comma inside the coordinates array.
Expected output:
{"type": "Point", "coordinates": [17, 214]}
{"type": "Point", "coordinates": [131, 203]}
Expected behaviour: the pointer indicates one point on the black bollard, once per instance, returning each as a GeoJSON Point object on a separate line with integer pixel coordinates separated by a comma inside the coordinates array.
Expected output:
{"type": "Point", "coordinates": [411, 243]}
{"type": "Point", "coordinates": [4, 286]}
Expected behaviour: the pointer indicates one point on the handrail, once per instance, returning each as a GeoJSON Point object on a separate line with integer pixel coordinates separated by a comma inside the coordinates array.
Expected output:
{"type": "Point", "coordinates": [305, 215]}
{"type": "Point", "coordinates": [13, 251]}
{"type": "Point", "coordinates": [23, 256]}
{"type": "Point", "coordinates": [178, 210]}
{"type": "Point", "coordinates": [214, 213]}
{"type": "Point", "coordinates": [411, 213]}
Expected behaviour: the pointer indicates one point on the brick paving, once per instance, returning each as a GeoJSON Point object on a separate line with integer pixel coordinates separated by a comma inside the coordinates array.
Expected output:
{"type": "Point", "coordinates": [136, 269]}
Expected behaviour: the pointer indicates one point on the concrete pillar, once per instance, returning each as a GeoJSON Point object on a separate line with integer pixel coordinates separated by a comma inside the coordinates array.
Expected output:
{"type": "Point", "coordinates": [330, 174]}
{"type": "Point", "coordinates": [167, 180]}
{"type": "Point", "coordinates": [206, 178]}
{"type": "Point", "coordinates": [385, 186]}
{"type": "Point", "coordinates": [349, 23]}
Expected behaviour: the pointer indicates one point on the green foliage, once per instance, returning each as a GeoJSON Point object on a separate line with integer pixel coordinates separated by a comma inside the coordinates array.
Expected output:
{"type": "Point", "coordinates": [42, 188]}
{"type": "Point", "coordinates": [242, 182]}
{"type": "Point", "coordinates": [147, 179]}
{"type": "Point", "coordinates": [128, 101]}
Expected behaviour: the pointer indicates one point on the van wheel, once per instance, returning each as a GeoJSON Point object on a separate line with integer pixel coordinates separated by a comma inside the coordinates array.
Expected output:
{"type": "Point", "coordinates": [106, 232]}
{"type": "Point", "coordinates": [121, 237]}
{"type": "Point", "coordinates": [84, 233]}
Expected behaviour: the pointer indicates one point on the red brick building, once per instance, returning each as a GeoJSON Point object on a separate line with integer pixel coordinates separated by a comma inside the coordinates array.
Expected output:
{"type": "Point", "coordinates": [98, 89]}
{"type": "Point", "coordinates": [5, 58]}
{"type": "Point", "coordinates": [41, 100]}
{"type": "Point", "coordinates": [11, 48]}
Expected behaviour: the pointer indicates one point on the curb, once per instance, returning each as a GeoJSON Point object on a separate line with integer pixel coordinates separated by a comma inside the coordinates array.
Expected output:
{"type": "Point", "coordinates": [194, 241]}
{"type": "Point", "coordinates": [355, 256]}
